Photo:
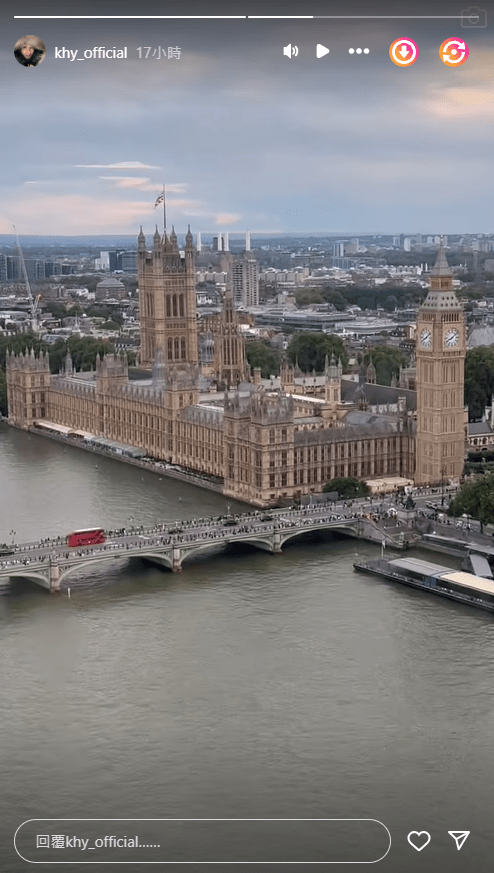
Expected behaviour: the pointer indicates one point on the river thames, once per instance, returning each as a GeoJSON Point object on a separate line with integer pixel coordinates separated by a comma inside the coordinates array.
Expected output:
{"type": "Point", "coordinates": [248, 686]}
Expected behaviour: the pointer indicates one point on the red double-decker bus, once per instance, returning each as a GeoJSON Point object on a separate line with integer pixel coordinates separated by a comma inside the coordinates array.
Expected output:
{"type": "Point", "coordinates": [90, 536]}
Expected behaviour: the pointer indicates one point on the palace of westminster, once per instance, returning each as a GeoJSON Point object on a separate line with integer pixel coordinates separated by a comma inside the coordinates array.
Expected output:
{"type": "Point", "coordinates": [265, 440]}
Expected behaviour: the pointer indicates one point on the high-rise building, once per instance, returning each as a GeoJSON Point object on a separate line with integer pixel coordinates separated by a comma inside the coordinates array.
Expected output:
{"type": "Point", "coordinates": [10, 268]}
{"type": "Point", "coordinates": [338, 250]}
{"type": "Point", "coordinates": [129, 262]}
{"type": "Point", "coordinates": [441, 349]}
{"type": "Point", "coordinates": [115, 261]}
{"type": "Point", "coordinates": [245, 281]}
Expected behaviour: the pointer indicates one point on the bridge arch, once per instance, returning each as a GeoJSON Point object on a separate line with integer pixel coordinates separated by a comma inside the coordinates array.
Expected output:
{"type": "Point", "coordinates": [67, 570]}
{"type": "Point", "coordinates": [287, 534]}
{"type": "Point", "coordinates": [190, 551]}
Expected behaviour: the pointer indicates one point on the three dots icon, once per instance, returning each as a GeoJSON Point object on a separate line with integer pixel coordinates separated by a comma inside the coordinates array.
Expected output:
{"type": "Point", "coordinates": [358, 51]}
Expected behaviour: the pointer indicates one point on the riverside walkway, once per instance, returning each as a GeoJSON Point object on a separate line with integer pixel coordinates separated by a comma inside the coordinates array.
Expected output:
{"type": "Point", "coordinates": [49, 562]}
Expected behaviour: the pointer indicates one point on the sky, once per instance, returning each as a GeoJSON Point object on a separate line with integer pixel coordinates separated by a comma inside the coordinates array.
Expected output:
{"type": "Point", "coordinates": [244, 137]}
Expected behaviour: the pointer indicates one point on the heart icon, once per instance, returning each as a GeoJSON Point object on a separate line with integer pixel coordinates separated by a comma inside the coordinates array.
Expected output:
{"type": "Point", "coordinates": [419, 839]}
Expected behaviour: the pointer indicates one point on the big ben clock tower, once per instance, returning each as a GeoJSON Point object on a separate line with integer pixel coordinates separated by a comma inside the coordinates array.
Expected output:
{"type": "Point", "coordinates": [440, 441]}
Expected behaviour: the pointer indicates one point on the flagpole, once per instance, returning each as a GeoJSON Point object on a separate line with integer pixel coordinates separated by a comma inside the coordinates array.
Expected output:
{"type": "Point", "coordinates": [161, 197]}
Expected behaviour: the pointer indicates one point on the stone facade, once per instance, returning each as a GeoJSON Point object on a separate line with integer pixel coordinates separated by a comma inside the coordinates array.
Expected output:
{"type": "Point", "coordinates": [441, 349]}
{"type": "Point", "coordinates": [229, 364]}
{"type": "Point", "coordinates": [265, 441]}
{"type": "Point", "coordinates": [167, 300]}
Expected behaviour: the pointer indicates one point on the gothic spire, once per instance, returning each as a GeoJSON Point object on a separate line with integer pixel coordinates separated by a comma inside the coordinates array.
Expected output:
{"type": "Point", "coordinates": [441, 267]}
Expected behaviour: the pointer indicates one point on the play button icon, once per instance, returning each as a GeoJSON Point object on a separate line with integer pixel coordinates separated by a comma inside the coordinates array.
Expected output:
{"type": "Point", "coordinates": [321, 50]}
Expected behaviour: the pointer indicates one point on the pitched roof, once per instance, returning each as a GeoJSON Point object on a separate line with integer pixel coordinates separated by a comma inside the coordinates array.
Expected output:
{"type": "Point", "coordinates": [441, 267]}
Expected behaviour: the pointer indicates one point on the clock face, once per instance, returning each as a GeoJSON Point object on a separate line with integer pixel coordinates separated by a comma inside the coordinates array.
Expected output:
{"type": "Point", "coordinates": [451, 338]}
{"type": "Point", "coordinates": [425, 338]}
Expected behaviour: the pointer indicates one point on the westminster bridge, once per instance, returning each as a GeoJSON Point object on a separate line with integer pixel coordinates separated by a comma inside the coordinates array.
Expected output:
{"type": "Point", "coordinates": [49, 562]}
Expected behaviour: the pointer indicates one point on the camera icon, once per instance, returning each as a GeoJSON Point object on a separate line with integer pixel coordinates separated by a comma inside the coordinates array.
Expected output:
{"type": "Point", "coordinates": [473, 17]}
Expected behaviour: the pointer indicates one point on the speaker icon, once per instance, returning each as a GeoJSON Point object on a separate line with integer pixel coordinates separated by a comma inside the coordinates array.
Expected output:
{"type": "Point", "coordinates": [291, 51]}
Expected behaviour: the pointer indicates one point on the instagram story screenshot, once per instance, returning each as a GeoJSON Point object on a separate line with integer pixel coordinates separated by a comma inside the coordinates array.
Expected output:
{"type": "Point", "coordinates": [247, 435]}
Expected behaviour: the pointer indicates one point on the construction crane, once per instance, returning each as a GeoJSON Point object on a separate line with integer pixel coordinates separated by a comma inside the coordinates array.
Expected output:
{"type": "Point", "coordinates": [35, 303]}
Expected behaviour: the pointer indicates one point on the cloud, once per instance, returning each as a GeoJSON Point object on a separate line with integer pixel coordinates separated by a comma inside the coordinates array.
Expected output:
{"type": "Point", "coordinates": [124, 165]}
{"type": "Point", "coordinates": [49, 182]}
{"type": "Point", "coordinates": [131, 182]}
{"type": "Point", "coordinates": [77, 214]}
{"type": "Point", "coordinates": [144, 184]}
{"type": "Point", "coordinates": [465, 102]}
{"type": "Point", "coordinates": [88, 213]}
{"type": "Point", "coordinates": [227, 218]}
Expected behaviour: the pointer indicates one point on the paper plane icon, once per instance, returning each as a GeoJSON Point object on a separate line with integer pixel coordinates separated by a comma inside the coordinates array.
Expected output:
{"type": "Point", "coordinates": [321, 50]}
{"type": "Point", "coordinates": [459, 837]}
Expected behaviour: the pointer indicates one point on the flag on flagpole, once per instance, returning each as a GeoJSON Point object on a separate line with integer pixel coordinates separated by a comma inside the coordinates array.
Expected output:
{"type": "Point", "coordinates": [161, 199]}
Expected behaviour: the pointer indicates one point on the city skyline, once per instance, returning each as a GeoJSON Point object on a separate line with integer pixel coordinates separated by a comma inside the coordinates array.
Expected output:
{"type": "Point", "coordinates": [243, 137]}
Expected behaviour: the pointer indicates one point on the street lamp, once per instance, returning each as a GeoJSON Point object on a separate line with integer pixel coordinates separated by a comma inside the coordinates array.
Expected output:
{"type": "Point", "coordinates": [443, 474]}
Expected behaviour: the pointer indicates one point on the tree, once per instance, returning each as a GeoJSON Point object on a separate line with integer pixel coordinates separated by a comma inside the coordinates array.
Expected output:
{"type": "Point", "coordinates": [305, 296]}
{"type": "Point", "coordinates": [475, 498]}
{"type": "Point", "coordinates": [479, 380]}
{"type": "Point", "coordinates": [387, 361]}
{"type": "Point", "coordinates": [82, 349]}
{"type": "Point", "coordinates": [20, 343]}
{"type": "Point", "coordinates": [390, 303]}
{"type": "Point", "coordinates": [336, 298]}
{"type": "Point", "coordinates": [347, 487]}
{"type": "Point", "coordinates": [57, 309]}
{"type": "Point", "coordinates": [310, 350]}
{"type": "Point", "coordinates": [261, 354]}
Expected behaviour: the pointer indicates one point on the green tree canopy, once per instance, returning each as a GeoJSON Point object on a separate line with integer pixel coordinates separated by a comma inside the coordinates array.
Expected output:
{"type": "Point", "coordinates": [347, 487]}
{"type": "Point", "coordinates": [336, 298]}
{"type": "Point", "coordinates": [57, 309]}
{"type": "Point", "coordinates": [479, 380]}
{"type": "Point", "coordinates": [390, 303]}
{"type": "Point", "coordinates": [19, 343]}
{"type": "Point", "coordinates": [305, 296]}
{"type": "Point", "coordinates": [310, 350]}
{"type": "Point", "coordinates": [475, 498]}
{"type": "Point", "coordinates": [387, 361]}
{"type": "Point", "coordinates": [263, 355]}
{"type": "Point", "coordinates": [83, 349]}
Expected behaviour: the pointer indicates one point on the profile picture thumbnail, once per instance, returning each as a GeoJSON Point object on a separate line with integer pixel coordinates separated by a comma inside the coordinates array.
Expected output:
{"type": "Point", "coordinates": [29, 51]}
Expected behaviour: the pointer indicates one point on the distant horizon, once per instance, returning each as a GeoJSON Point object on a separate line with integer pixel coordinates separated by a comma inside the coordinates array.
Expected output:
{"type": "Point", "coordinates": [235, 235]}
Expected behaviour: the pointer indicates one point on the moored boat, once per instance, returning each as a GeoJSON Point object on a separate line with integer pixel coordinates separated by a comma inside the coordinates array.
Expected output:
{"type": "Point", "coordinates": [443, 581]}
